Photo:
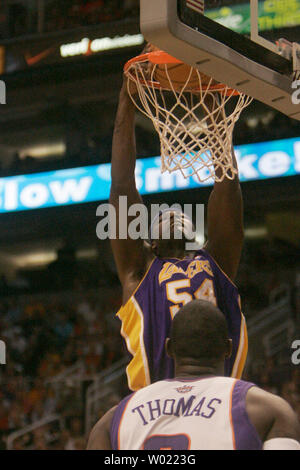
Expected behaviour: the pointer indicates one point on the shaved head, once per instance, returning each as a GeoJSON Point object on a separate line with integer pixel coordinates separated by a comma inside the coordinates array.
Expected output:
{"type": "Point", "coordinates": [199, 331]}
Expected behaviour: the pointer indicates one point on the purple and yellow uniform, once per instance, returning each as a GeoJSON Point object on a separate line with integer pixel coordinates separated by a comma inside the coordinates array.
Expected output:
{"type": "Point", "coordinates": [168, 285]}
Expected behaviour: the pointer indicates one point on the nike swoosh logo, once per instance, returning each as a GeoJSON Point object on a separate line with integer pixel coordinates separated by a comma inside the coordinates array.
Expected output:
{"type": "Point", "coordinates": [32, 60]}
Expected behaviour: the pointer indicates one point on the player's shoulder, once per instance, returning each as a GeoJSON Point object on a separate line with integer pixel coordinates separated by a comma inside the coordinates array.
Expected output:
{"type": "Point", "coordinates": [267, 410]}
{"type": "Point", "coordinates": [237, 386]}
{"type": "Point", "coordinates": [203, 254]}
{"type": "Point", "coordinates": [271, 405]}
{"type": "Point", "coordinates": [100, 434]}
{"type": "Point", "coordinates": [267, 400]}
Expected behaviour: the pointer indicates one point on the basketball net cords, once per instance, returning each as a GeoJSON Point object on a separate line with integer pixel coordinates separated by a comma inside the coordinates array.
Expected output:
{"type": "Point", "coordinates": [202, 152]}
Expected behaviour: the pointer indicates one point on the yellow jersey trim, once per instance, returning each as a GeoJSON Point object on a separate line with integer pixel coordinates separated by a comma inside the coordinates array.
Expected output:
{"type": "Point", "coordinates": [132, 331]}
{"type": "Point", "coordinates": [242, 351]}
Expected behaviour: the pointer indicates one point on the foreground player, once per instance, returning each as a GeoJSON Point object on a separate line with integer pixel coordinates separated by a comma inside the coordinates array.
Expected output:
{"type": "Point", "coordinates": [158, 279]}
{"type": "Point", "coordinates": [200, 409]}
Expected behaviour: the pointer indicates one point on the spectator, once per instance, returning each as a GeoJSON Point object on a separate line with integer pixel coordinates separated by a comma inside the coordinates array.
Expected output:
{"type": "Point", "coordinates": [75, 434]}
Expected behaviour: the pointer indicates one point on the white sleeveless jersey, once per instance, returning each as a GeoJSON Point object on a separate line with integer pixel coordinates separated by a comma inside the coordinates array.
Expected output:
{"type": "Point", "coordinates": [183, 414]}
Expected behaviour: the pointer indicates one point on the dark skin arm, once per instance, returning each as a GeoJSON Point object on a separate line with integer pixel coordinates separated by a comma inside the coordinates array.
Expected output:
{"type": "Point", "coordinates": [271, 415]}
{"type": "Point", "coordinates": [99, 438]}
{"type": "Point", "coordinates": [225, 219]}
{"type": "Point", "coordinates": [225, 225]}
{"type": "Point", "coordinates": [131, 256]}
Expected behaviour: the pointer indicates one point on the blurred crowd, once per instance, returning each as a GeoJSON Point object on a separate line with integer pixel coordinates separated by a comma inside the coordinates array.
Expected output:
{"type": "Point", "coordinates": [45, 336]}
{"type": "Point", "coordinates": [25, 17]}
{"type": "Point", "coordinates": [90, 150]}
{"type": "Point", "coordinates": [68, 14]}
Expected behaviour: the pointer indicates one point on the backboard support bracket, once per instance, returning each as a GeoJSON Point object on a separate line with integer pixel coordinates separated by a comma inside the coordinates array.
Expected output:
{"type": "Point", "coordinates": [291, 50]}
{"type": "Point", "coordinates": [254, 29]}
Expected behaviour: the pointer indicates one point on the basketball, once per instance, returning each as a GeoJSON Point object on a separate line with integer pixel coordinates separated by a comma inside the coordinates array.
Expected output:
{"type": "Point", "coordinates": [181, 76]}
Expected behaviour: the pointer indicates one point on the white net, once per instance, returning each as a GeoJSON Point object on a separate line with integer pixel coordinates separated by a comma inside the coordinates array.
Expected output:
{"type": "Point", "coordinates": [195, 125]}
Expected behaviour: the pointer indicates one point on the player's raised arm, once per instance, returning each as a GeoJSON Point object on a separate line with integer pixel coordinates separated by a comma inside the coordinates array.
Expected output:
{"type": "Point", "coordinates": [129, 254]}
{"type": "Point", "coordinates": [225, 216]}
{"type": "Point", "coordinates": [225, 224]}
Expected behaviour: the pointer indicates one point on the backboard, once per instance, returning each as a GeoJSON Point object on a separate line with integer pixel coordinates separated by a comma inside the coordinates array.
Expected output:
{"type": "Point", "coordinates": [233, 41]}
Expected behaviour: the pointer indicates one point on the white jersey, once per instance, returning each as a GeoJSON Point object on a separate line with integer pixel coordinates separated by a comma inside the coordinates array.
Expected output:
{"type": "Point", "coordinates": [183, 414]}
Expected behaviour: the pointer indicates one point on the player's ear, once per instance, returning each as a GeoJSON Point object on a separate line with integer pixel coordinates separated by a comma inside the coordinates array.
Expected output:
{"type": "Point", "coordinates": [154, 247]}
{"type": "Point", "coordinates": [168, 347]}
{"type": "Point", "coordinates": [228, 348]}
{"type": "Point", "coordinates": [148, 245]}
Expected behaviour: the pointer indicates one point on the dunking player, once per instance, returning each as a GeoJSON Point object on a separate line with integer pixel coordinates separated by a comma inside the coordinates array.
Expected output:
{"type": "Point", "coordinates": [200, 409]}
{"type": "Point", "coordinates": [158, 278]}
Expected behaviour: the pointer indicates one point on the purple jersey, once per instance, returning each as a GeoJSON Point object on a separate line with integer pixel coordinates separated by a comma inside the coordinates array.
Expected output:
{"type": "Point", "coordinates": [168, 285]}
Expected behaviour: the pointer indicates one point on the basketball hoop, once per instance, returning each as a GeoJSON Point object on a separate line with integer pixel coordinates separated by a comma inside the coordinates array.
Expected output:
{"type": "Point", "coordinates": [187, 109]}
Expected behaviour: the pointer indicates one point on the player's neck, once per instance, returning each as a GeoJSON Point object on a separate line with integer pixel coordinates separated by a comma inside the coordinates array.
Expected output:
{"type": "Point", "coordinates": [180, 254]}
{"type": "Point", "coordinates": [176, 254]}
{"type": "Point", "coordinates": [195, 370]}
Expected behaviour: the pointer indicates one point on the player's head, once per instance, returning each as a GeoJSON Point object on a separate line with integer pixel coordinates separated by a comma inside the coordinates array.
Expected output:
{"type": "Point", "coordinates": [199, 336]}
{"type": "Point", "coordinates": [170, 230]}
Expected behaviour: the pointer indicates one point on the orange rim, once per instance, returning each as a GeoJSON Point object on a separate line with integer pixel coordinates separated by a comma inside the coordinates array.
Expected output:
{"type": "Point", "coordinates": [163, 58]}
